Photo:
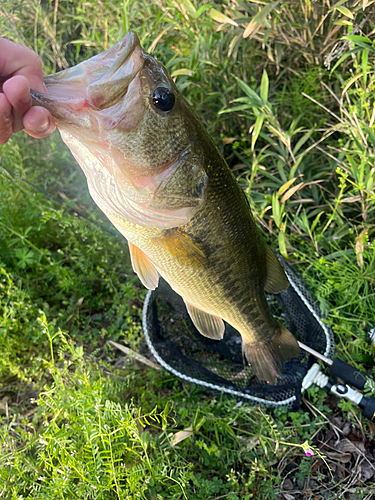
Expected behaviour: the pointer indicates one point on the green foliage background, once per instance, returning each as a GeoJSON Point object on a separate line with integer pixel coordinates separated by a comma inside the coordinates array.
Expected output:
{"type": "Point", "coordinates": [286, 89]}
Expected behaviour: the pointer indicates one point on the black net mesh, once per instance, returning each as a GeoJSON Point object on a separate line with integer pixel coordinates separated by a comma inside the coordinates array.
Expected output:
{"type": "Point", "coordinates": [220, 365]}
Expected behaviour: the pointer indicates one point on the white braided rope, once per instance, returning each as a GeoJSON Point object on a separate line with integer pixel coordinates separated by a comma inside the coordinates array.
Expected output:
{"type": "Point", "coordinates": [254, 399]}
{"type": "Point", "coordinates": [219, 388]}
{"type": "Point", "coordinates": [329, 345]}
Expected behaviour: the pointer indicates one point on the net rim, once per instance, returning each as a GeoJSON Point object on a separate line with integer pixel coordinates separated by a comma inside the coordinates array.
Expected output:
{"type": "Point", "coordinates": [242, 395]}
{"type": "Point", "coordinates": [330, 347]}
{"type": "Point", "coordinates": [255, 400]}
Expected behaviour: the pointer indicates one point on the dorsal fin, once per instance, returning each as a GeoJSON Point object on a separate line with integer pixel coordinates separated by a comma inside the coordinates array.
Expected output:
{"type": "Point", "coordinates": [207, 324]}
{"type": "Point", "coordinates": [143, 267]}
{"type": "Point", "coordinates": [182, 248]}
{"type": "Point", "coordinates": [276, 280]}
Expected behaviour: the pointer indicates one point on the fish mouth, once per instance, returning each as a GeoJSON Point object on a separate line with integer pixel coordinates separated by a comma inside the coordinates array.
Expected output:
{"type": "Point", "coordinates": [93, 85]}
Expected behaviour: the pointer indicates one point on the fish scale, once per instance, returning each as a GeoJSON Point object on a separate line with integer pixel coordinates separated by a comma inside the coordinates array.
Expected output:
{"type": "Point", "coordinates": [154, 171]}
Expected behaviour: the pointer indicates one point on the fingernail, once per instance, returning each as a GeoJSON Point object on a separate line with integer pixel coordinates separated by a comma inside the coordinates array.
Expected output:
{"type": "Point", "coordinates": [44, 127]}
{"type": "Point", "coordinates": [45, 89]}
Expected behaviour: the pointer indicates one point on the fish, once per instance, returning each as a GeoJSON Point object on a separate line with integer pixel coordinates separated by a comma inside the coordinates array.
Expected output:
{"type": "Point", "coordinates": [156, 174]}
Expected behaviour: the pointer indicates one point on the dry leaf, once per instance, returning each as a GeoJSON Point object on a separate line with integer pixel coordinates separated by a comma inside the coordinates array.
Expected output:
{"type": "Point", "coordinates": [229, 140]}
{"type": "Point", "coordinates": [367, 471]}
{"type": "Point", "coordinates": [222, 18]}
{"type": "Point", "coordinates": [285, 186]}
{"type": "Point", "coordinates": [343, 458]}
{"type": "Point", "coordinates": [238, 166]}
{"type": "Point", "coordinates": [182, 435]}
{"type": "Point", "coordinates": [252, 443]}
{"type": "Point", "coordinates": [347, 446]}
{"type": "Point", "coordinates": [351, 199]}
{"type": "Point", "coordinates": [291, 191]}
{"type": "Point", "coordinates": [4, 405]}
{"type": "Point", "coordinates": [287, 496]}
{"type": "Point", "coordinates": [256, 23]}
{"type": "Point", "coordinates": [359, 247]}
{"type": "Point", "coordinates": [250, 28]}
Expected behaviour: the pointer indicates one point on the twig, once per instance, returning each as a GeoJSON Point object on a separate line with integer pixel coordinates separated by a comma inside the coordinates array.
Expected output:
{"type": "Point", "coordinates": [135, 355]}
{"type": "Point", "coordinates": [314, 408]}
{"type": "Point", "coordinates": [323, 107]}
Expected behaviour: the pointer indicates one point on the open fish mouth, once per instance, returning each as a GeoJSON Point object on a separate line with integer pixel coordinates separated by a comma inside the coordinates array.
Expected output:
{"type": "Point", "coordinates": [93, 85]}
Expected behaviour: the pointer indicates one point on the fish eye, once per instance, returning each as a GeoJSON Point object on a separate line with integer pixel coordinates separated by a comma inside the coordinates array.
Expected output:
{"type": "Point", "coordinates": [163, 98]}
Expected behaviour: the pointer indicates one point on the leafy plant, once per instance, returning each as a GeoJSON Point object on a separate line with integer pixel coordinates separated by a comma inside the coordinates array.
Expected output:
{"type": "Point", "coordinates": [286, 91]}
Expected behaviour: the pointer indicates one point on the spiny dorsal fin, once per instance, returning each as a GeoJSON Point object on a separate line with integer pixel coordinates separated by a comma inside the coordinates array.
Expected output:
{"type": "Point", "coordinates": [266, 359]}
{"type": "Point", "coordinates": [207, 324]}
{"type": "Point", "coordinates": [143, 267]}
{"type": "Point", "coordinates": [182, 248]}
{"type": "Point", "coordinates": [276, 280]}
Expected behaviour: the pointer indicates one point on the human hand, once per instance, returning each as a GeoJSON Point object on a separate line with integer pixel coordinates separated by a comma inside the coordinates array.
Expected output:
{"type": "Point", "coordinates": [20, 70]}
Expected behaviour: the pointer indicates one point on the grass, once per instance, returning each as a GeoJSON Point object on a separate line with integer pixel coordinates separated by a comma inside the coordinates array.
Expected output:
{"type": "Point", "coordinates": [290, 103]}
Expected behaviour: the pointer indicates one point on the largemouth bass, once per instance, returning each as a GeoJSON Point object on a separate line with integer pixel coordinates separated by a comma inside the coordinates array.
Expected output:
{"type": "Point", "coordinates": [156, 174]}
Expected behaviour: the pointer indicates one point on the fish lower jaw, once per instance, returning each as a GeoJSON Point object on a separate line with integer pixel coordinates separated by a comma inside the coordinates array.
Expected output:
{"type": "Point", "coordinates": [74, 113]}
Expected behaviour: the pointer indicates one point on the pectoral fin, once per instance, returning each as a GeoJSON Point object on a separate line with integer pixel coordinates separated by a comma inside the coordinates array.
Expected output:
{"type": "Point", "coordinates": [143, 267]}
{"type": "Point", "coordinates": [276, 280]}
{"type": "Point", "coordinates": [207, 324]}
{"type": "Point", "coordinates": [182, 248]}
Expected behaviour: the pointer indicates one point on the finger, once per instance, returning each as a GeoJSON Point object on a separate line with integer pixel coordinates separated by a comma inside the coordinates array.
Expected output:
{"type": "Point", "coordinates": [38, 122]}
{"type": "Point", "coordinates": [6, 121]}
{"type": "Point", "coordinates": [18, 60]}
{"type": "Point", "coordinates": [17, 90]}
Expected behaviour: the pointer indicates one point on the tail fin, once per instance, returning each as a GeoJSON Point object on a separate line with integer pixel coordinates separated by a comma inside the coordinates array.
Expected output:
{"type": "Point", "coordinates": [267, 359]}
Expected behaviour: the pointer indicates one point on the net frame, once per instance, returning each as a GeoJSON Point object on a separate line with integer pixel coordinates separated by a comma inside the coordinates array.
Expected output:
{"type": "Point", "coordinates": [301, 311]}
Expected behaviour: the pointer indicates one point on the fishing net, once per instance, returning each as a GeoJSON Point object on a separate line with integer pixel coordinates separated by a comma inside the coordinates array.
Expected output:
{"type": "Point", "coordinates": [220, 366]}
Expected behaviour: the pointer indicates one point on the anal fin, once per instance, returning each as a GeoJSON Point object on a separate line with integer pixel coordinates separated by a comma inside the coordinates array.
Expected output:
{"type": "Point", "coordinates": [276, 279]}
{"type": "Point", "coordinates": [207, 324]}
{"type": "Point", "coordinates": [267, 359]}
{"type": "Point", "coordinates": [143, 267]}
